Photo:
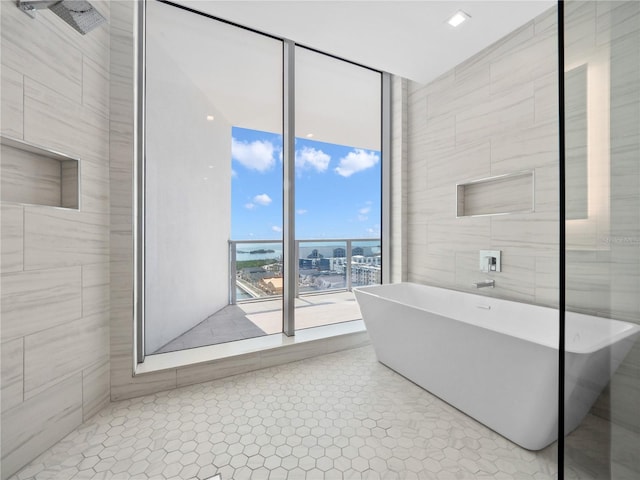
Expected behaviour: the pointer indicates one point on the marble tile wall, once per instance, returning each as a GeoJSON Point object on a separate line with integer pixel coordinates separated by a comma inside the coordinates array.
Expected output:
{"type": "Point", "coordinates": [30, 178]}
{"type": "Point", "coordinates": [496, 113]}
{"type": "Point", "coordinates": [55, 270]}
{"type": "Point", "coordinates": [493, 114]}
{"type": "Point", "coordinates": [399, 179]}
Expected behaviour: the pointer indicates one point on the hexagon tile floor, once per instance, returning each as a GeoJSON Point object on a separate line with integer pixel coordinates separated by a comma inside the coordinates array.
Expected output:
{"type": "Point", "coordinates": [339, 416]}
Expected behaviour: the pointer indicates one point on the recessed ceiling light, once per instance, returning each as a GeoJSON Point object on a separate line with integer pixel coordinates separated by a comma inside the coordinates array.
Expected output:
{"type": "Point", "coordinates": [210, 118]}
{"type": "Point", "coordinates": [309, 135]}
{"type": "Point", "coordinates": [458, 18]}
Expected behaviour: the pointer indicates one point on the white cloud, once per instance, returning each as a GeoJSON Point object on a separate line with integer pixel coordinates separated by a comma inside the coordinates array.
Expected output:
{"type": "Point", "coordinates": [234, 174]}
{"type": "Point", "coordinates": [309, 157]}
{"type": "Point", "coordinates": [276, 228]}
{"type": "Point", "coordinates": [363, 213]}
{"type": "Point", "coordinates": [301, 211]}
{"type": "Point", "coordinates": [262, 199]}
{"type": "Point", "coordinates": [256, 155]}
{"type": "Point", "coordinates": [356, 161]}
{"type": "Point", "coordinates": [375, 230]}
{"type": "Point", "coordinates": [249, 206]}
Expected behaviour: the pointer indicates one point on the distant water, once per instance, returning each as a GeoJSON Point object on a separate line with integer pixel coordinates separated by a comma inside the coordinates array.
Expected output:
{"type": "Point", "coordinates": [248, 247]}
{"type": "Point", "coordinates": [370, 247]}
{"type": "Point", "coordinates": [241, 294]}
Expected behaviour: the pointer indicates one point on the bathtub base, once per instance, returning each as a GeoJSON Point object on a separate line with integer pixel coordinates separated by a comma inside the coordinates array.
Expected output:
{"type": "Point", "coordinates": [507, 383]}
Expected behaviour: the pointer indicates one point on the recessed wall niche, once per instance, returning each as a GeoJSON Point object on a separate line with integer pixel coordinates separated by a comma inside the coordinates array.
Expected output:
{"type": "Point", "coordinates": [35, 175]}
{"type": "Point", "coordinates": [509, 193]}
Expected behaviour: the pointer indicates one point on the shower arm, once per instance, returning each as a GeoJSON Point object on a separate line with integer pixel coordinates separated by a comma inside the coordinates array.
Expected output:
{"type": "Point", "coordinates": [31, 6]}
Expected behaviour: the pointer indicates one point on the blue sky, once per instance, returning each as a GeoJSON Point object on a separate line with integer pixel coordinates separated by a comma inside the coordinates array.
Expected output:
{"type": "Point", "coordinates": [337, 188]}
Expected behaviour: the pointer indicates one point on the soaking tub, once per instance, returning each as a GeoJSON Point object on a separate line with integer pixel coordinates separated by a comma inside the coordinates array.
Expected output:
{"type": "Point", "coordinates": [495, 360]}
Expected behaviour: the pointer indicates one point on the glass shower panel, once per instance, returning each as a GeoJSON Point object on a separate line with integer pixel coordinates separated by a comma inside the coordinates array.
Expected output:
{"type": "Point", "coordinates": [338, 183]}
{"type": "Point", "coordinates": [213, 193]}
{"type": "Point", "coordinates": [602, 355]}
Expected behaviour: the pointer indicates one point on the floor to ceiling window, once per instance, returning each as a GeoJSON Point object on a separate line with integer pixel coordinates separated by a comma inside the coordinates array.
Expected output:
{"type": "Point", "coordinates": [212, 169]}
{"type": "Point", "coordinates": [215, 191]}
{"type": "Point", "coordinates": [338, 185]}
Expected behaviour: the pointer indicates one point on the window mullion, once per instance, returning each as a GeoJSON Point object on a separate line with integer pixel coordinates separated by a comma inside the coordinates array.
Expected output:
{"type": "Point", "coordinates": [288, 155]}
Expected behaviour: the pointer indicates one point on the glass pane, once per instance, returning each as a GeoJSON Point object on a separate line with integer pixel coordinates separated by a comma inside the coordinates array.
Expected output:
{"type": "Point", "coordinates": [366, 263]}
{"type": "Point", "coordinates": [602, 357]}
{"type": "Point", "coordinates": [213, 174]}
{"type": "Point", "coordinates": [321, 267]}
{"type": "Point", "coordinates": [338, 184]}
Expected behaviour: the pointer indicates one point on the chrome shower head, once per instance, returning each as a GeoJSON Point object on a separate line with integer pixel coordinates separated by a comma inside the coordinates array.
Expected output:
{"type": "Point", "coordinates": [80, 14]}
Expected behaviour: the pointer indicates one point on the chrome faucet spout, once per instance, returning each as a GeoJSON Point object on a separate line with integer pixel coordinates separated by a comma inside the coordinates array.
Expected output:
{"type": "Point", "coordinates": [485, 283]}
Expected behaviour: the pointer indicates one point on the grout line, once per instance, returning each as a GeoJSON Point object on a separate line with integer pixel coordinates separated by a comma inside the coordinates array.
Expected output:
{"type": "Point", "coordinates": [82, 393]}
{"type": "Point", "coordinates": [81, 291]}
{"type": "Point", "coordinates": [23, 102]}
{"type": "Point", "coordinates": [61, 173]}
{"type": "Point", "coordinates": [24, 236]}
{"type": "Point", "coordinates": [23, 368]}
{"type": "Point", "coordinates": [82, 66]}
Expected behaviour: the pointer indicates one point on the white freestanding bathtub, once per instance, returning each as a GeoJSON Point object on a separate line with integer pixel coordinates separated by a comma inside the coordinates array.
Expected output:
{"type": "Point", "coordinates": [495, 360]}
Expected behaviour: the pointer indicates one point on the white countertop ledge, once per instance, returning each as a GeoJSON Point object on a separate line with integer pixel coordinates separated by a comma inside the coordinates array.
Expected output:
{"type": "Point", "coordinates": [193, 356]}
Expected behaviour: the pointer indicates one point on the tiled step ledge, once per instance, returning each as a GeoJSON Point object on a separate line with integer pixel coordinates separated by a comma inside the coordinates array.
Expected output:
{"type": "Point", "coordinates": [218, 361]}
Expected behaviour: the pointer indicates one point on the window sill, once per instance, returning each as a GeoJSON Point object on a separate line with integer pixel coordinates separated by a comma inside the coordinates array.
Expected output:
{"type": "Point", "coordinates": [195, 356]}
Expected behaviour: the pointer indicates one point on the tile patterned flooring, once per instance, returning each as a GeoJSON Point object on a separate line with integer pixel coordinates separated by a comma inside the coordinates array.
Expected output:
{"type": "Point", "coordinates": [338, 416]}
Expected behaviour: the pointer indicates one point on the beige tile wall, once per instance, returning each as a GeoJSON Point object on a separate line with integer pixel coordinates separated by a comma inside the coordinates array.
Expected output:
{"type": "Point", "coordinates": [493, 114]}
{"type": "Point", "coordinates": [399, 179]}
{"type": "Point", "coordinates": [30, 178]}
{"type": "Point", "coordinates": [55, 270]}
{"type": "Point", "coordinates": [496, 113]}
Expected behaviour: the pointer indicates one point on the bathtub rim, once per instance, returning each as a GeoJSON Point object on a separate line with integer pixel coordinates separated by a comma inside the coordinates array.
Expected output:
{"type": "Point", "coordinates": [628, 332]}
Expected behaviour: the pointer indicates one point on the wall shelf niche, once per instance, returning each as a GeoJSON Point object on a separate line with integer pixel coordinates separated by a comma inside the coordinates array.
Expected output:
{"type": "Point", "coordinates": [34, 175]}
{"type": "Point", "coordinates": [498, 195]}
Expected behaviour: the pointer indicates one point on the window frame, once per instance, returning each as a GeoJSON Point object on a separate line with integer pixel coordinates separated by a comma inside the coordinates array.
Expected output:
{"type": "Point", "coordinates": [288, 131]}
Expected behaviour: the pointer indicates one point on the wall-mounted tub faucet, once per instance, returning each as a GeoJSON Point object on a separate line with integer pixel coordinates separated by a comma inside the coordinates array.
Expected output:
{"type": "Point", "coordinates": [485, 283]}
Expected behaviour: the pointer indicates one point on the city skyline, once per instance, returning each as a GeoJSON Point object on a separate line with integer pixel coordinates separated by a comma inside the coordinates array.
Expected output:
{"type": "Point", "coordinates": [337, 188]}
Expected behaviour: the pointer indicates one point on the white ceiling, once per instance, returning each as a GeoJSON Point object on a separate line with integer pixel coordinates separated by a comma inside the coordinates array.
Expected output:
{"type": "Point", "coordinates": [406, 38]}
{"type": "Point", "coordinates": [240, 75]}
{"type": "Point", "coordinates": [238, 78]}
